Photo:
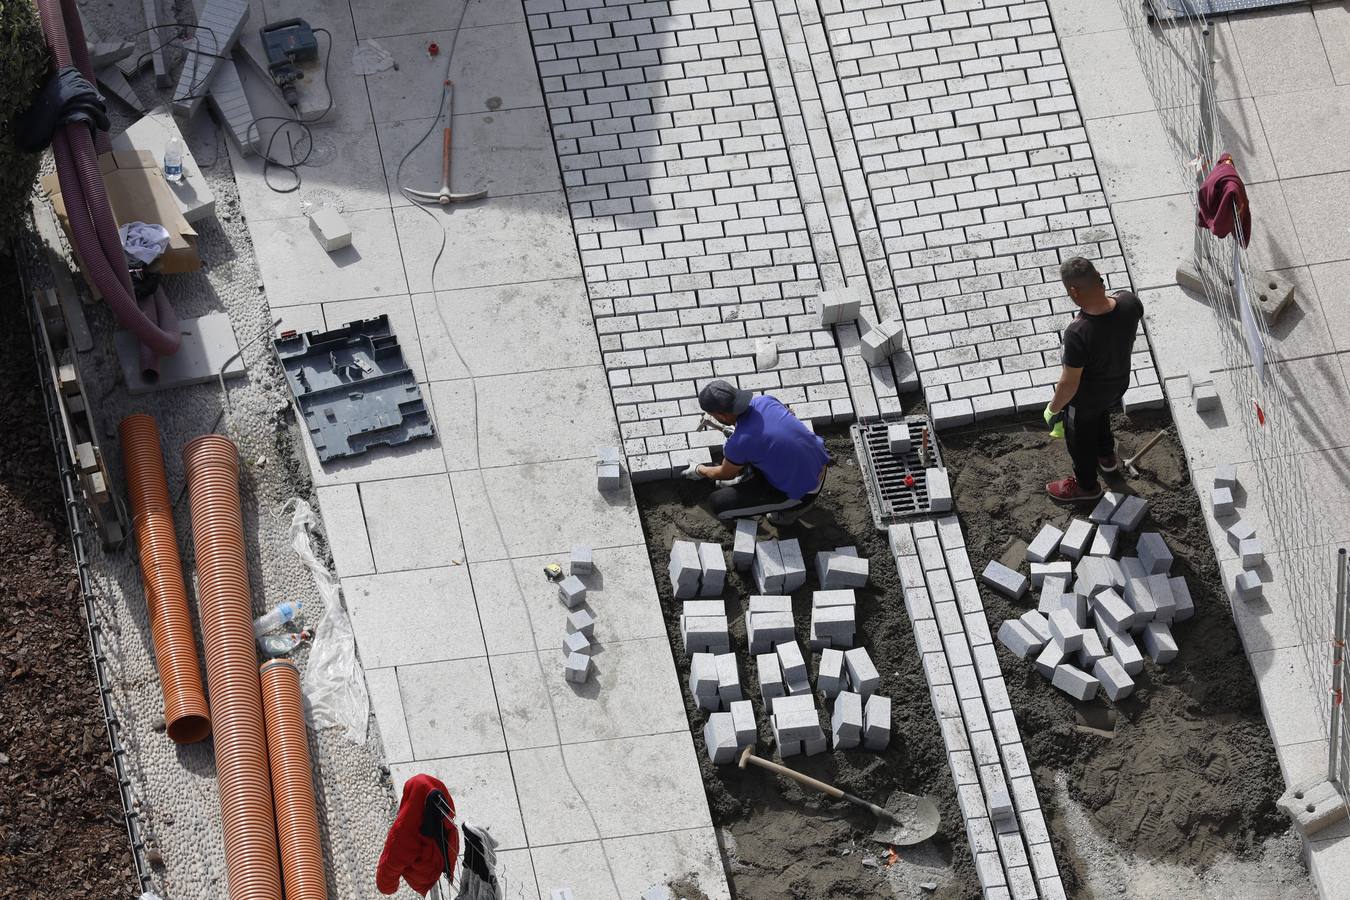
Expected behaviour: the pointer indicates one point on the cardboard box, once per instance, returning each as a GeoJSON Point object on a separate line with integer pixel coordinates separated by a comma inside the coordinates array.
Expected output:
{"type": "Point", "coordinates": [137, 192]}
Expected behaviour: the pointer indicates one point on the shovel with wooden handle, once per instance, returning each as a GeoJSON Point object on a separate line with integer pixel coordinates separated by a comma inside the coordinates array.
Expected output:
{"type": "Point", "coordinates": [917, 818]}
{"type": "Point", "coordinates": [443, 195]}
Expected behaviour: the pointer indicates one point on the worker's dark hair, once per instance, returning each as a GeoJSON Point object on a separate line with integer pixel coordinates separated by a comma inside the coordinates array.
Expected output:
{"type": "Point", "coordinates": [1080, 273]}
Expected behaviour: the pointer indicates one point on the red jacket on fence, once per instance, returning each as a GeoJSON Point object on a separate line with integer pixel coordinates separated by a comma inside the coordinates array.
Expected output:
{"type": "Point", "coordinates": [409, 851]}
{"type": "Point", "coordinates": [1221, 194]}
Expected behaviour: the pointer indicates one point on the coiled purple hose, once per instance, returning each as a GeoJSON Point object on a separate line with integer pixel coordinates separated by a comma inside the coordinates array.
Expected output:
{"type": "Point", "coordinates": [92, 228]}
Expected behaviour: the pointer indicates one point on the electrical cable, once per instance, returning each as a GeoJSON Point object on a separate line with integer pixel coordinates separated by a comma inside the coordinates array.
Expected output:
{"type": "Point", "coordinates": [303, 124]}
{"type": "Point", "coordinates": [492, 511]}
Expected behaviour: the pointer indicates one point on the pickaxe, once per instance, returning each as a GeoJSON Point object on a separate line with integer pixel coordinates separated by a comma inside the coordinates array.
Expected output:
{"type": "Point", "coordinates": [443, 195]}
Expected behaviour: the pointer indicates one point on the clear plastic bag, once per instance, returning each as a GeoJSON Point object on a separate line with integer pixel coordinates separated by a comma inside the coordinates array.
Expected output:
{"type": "Point", "coordinates": [334, 684]}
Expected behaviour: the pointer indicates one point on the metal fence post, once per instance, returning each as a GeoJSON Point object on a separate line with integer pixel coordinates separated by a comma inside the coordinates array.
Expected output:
{"type": "Point", "coordinates": [1337, 677]}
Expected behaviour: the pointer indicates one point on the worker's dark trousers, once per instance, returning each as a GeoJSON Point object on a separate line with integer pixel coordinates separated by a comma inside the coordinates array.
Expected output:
{"type": "Point", "coordinates": [1088, 435]}
{"type": "Point", "coordinates": [753, 497]}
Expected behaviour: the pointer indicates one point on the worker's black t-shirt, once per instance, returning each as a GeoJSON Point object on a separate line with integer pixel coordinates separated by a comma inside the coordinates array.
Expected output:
{"type": "Point", "coordinates": [1101, 346]}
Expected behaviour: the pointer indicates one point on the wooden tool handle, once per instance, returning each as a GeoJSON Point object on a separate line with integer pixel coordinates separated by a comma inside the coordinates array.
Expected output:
{"type": "Point", "coordinates": [445, 154]}
{"type": "Point", "coordinates": [799, 777]}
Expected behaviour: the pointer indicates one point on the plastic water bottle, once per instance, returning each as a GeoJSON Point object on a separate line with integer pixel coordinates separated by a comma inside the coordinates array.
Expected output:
{"type": "Point", "coordinates": [275, 617]}
{"type": "Point", "coordinates": [173, 160]}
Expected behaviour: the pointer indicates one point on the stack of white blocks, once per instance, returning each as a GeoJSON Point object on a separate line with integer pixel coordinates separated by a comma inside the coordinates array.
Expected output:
{"type": "Point", "coordinates": [834, 617]}
{"type": "Point", "coordinates": [580, 621]}
{"type": "Point", "coordinates": [696, 570]}
{"type": "Point", "coordinates": [768, 623]}
{"type": "Point", "coordinates": [714, 681]}
{"type": "Point", "coordinates": [778, 567]}
{"type": "Point", "coordinates": [782, 673]}
{"type": "Point", "coordinates": [796, 726]}
{"type": "Point", "coordinates": [1241, 535]}
{"type": "Point", "coordinates": [1092, 618]}
{"type": "Point", "coordinates": [882, 340]}
{"type": "Point", "coordinates": [841, 568]}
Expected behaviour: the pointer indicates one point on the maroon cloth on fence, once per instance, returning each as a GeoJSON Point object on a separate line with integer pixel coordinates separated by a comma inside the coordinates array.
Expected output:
{"type": "Point", "coordinates": [408, 851]}
{"type": "Point", "coordinates": [1220, 196]}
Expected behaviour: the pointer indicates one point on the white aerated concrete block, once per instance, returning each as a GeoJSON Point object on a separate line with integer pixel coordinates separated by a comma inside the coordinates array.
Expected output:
{"type": "Point", "coordinates": [582, 561]}
{"type": "Point", "coordinates": [1240, 531]}
{"type": "Point", "coordinates": [1092, 576]}
{"type": "Point", "coordinates": [1037, 624]}
{"type": "Point", "coordinates": [1076, 538]}
{"type": "Point", "coordinates": [1153, 553]}
{"type": "Point", "coordinates": [790, 661]}
{"type": "Point", "coordinates": [877, 723]}
{"type": "Point", "coordinates": [743, 720]}
{"type": "Point", "coordinates": [1074, 682]}
{"type": "Point", "coordinates": [577, 668]}
{"type": "Point", "coordinates": [1052, 586]}
{"type": "Point", "coordinates": [862, 674]}
{"type": "Point", "coordinates": [685, 569]}
{"type": "Point", "coordinates": [576, 642]}
{"type": "Point", "coordinates": [771, 684]}
{"type": "Point", "coordinates": [939, 490]}
{"type": "Point", "coordinates": [1004, 580]}
{"type": "Point", "coordinates": [1113, 678]}
{"type": "Point", "coordinates": [767, 568]}
{"type": "Point", "coordinates": [846, 722]}
{"type": "Point", "coordinates": [703, 677]}
{"type": "Point", "coordinates": [728, 678]}
{"type": "Point", "coordinates": [1181, 596]}
{"type": "Point", "coordinates": [1205, 397]}
{"type": "Point", "coordinates": [1130, 514]}
{"type": "Point", "coordinates": [1126, 652]}
{"type": "Point", "coordinates": [897, 438]}
{"type": "Point", "coordinates": [572, 591]}
{"type": "Point", "coordinates": [1251, 553]}
{"type": "Point", "coordinates": [608, 478]}
{"type": "Point", "coordinates": [743, 551]}
{"type": "Point", "coordinates": [331, 230]}
{"type": "Point", "coordinates": [830, 675]}
{"type": "Point", "coordinates": [1110, 608]}
{"type": "Point", "coordinates": [1225, 475]}
{"type": "Point", "coordinates": [840, 569]}
{"type": "Point", "coordinates": [794, 565]}
{"type": "Point", "coordinates": [1140, 598]}
{"type": "Point", "coordinates": [1164, 605]}
{"type": "Point", "coordinates": [1093, 649]}
{"type": "Point", "coordinates": [842, 304]}
{"type": "Point", "coordinates": [767, 629]}
{"type": "Point", "coordinates": [1104, 541]}
{"type": "Point", "coordinates": [1221, 500]}
{"type": "Point", "coordinates": [1105, 508]}
{"type": "Point", "coordinates": [874, 347]}
{"type": "Point", "coordinates": [1066, 631]}
{"type": "Point", "coordinates": [714, 569]}
{"type": "Point", "coordinates": [719, 736]}
{"type": "Point", "coordinates": [1076, 604]}
{"type": "Point", "coordinates": [581, 620]}
{"type": "Point", "coordinates": [1248, 584]}
{"type": "Point", "coordinates": [1051, 658]}
{"type": "Point", "coordinates": [1062, 567]}
{"type": "Point", "coordinates": [1158, 642]}
{"type": "Point", "coordinates": [705, 634]}
{"type": "Point", "coordinates": [1020, 640]}
{"type": "Point", "coordinates": [1044, 545]}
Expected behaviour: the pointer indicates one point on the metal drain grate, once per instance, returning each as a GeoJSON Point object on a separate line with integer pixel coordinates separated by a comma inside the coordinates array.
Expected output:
{"type": "Point", "coordinates": [1183, 9]}
{"type": "Point", "coordinates": [884, 473]}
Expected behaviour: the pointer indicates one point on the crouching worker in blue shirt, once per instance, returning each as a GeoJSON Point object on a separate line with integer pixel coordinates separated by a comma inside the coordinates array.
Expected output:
{"type": "Point", "coordinates": [786, 461]}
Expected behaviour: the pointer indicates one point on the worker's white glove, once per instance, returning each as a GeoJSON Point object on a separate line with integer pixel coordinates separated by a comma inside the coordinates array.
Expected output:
{"type": "Point", "coordinates": [692, 472]}
{"type": "Point", "coordinates": [731, 482]}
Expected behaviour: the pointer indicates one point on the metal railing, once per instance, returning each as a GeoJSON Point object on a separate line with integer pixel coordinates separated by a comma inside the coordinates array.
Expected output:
{"type": "Point", "coordinates": [1182, 63]}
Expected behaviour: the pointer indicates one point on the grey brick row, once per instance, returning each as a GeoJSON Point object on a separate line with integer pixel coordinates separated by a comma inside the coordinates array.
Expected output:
{"type": "Point", "coordinates": [995, 790]}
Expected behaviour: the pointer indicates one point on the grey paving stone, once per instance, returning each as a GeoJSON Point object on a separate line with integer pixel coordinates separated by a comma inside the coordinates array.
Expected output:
{"type": "Point", "coordinates": [1158, 642]}
{"type": "Point", "coordinates": [1044, 545]}
{"type": "Point", "coordinates": [1130, 513]}
{"type": "Point", "coordinates": [1153, 553]}
{"type": "Point", "coordinates": [1075, 682]}
{"type": "Point", "coordinates": [862, 674]}
{"type": "Point", "coordinates": [1106, 507]}
{"type": "Point", "coordinates": [582, 561]}
{"type": "Point", "coordinates": [743, 552]}
{"type": "Point", "coordinates": [1020, 640]}
{"type": "Point", "coordinates": [1104, 540]}
{"type": "Point", "coordinates": [714, 569]}
{"type": "Point", "coordinates": [1012, 585]}
{"type": "Point", "coordinates": [1076, 539]}
{"type": "Point", "coordinates": [1115, 681]}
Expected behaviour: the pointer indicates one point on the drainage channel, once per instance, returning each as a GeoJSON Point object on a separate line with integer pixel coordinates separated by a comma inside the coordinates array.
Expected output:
{"type": "Point", "coordinates": [74, 505]}
{"type": "Point", "coordinates": [897, 484]}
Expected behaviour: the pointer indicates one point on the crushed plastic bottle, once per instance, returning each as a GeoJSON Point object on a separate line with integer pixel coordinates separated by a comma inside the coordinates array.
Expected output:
{"type": "Point", "coordinates": [275, 617]}
{"type": "Point", "coordinates": [276, 645]}
{"type": "Point", "coordinates": [173, 160]}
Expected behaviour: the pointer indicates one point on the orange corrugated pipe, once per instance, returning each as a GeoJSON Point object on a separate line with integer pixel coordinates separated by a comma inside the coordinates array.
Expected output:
{"type": "Point", "coordinates": [292, 782]}
{"type": "Point", "coordinates": [186, 716]}
{"type": "Point", "coordinates": [226, 609]}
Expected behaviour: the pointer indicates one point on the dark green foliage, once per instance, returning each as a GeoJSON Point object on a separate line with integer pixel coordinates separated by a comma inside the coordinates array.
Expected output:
{"type": "Point", "coordinates": [23, 66]}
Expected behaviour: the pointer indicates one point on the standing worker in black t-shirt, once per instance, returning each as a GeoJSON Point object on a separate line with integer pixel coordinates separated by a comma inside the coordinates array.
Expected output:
{"type": "Point", "coordinates": [1097, 347]}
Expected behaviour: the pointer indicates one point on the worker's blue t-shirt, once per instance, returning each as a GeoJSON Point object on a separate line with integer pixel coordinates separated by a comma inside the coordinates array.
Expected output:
{"type": "Point", "coordinates": [786, 452]}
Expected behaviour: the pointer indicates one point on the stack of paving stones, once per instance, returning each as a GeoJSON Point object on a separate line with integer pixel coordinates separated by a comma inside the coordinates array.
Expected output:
{"type": "Point", "coordinates": [994, 787]}
{"type": "Point", "coordinates": [608, 469]}
{"type": "Point", "coordinates": [577, 642]}
{"type": "Point", "coordinates": [1241, 535]}
{"type": "Point", "coordinates": [1095, 613]}
{"type": "Point", "coordinates": [778, 566]}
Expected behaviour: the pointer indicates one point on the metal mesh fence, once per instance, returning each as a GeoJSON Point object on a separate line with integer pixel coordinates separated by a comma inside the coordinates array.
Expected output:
{"type": "Point", "coordinates": [1179, 62]}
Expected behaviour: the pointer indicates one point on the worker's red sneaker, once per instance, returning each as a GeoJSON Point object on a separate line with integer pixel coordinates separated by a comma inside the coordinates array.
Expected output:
{"type": "Point", "coordinates": [1067, 490]}
{"type": "Point", "coordinates": [1108, 463]}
